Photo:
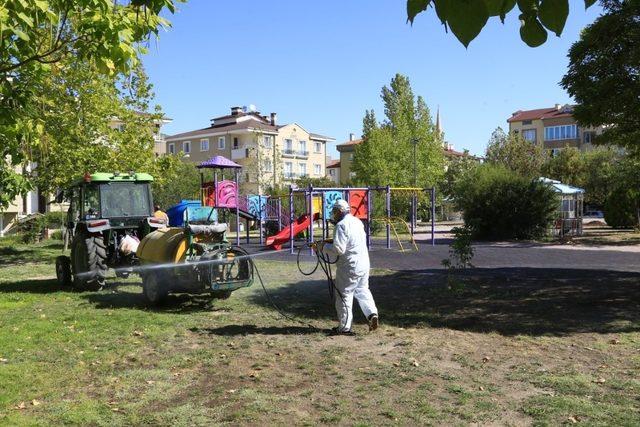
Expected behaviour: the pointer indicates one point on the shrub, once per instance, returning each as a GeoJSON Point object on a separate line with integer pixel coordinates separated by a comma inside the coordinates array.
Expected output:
{"type": "Point", "coordinates": [620, 209]}
{"type": "Point", "coordinates": [500, 204]}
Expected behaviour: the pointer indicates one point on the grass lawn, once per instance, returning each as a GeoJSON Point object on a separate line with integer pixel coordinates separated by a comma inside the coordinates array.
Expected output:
{"type": "Point", "coordinates": [486, 346]}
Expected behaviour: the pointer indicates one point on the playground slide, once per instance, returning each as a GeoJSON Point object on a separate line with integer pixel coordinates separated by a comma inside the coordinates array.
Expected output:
{"type": "Point", "coordinates": [301, 224]}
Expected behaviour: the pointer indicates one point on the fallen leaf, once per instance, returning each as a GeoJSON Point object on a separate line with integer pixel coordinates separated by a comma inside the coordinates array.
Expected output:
{"type": "Point", "coordinates": [253, 375]}
{"type": "Point", "coordinates": [150, 382]}
{"type": "Point", "coordinates": [481, 388]}
{"type": "Point", "coordinates": [614, 341]}
{"type": "Point", "coordinates": [35, 402]}
{"type": "Point", "coordinates": [486, 359]}
{"type": "Point", "coordinates": [3, 360]}
{"type": "Point", "coordinates": [600, 381]}
{"type": "Point", "coordinates": [572, 420]}
{"type": "Point", "coordinates": [278, 354]}
{"type": "Point", "coordinates": [21, 405]}
{"type": "Point", "coordinates": [415, 363]}
{"type": "Point", "coordinates": [396, 364]}
{"type": "Point", "coordinates": [137, 333]}
{"type": "Point", "coordinates": [231, 391]}
{"type": "Point", "coordinates": [115, 409]}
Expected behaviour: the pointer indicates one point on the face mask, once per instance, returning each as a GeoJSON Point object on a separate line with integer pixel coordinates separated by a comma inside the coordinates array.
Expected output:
{"type": "Point", "coordinates": [336, 216]}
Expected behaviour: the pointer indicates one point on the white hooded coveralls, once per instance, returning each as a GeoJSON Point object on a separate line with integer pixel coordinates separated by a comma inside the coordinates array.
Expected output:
{"type": "Point", "coordinates": [352, 270]}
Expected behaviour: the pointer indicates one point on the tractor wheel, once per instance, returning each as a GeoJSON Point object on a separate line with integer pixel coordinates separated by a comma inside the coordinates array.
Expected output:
{"type": "Point", "coordinates": [89, 262]}
{"type": "Point", "coordinates": [63, 270]}
{"type": "Point", "coordinates": [154, 288]}
{"type": "Point", "coordinates": [221, 294]}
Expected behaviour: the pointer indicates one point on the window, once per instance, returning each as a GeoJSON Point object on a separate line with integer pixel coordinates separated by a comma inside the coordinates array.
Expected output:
{"type": "Point", "coordinates": [588, 137]}
{"type": "Point", "coordinates": [186, 147]}
{"type": "Point", "coordinates": [529, 135]}
{"type": "Point", "coordinates": [555, 152]}
{"type": "Point", "coordinates": [221, 143]}
{"type": "Point", "coordinates": [302, 167]}
{"type": "Point", "coordinates": [351, 156]}
{"type": "Point", "coordinates": [317, 147]}
{"type": "Point", "coordinates": [555, 133]}
{"type": "Point", "coordinates": [288, 146]}
{"type": "Point", "coordinates": [267, 142]}
{"type": "Point", "coordinates": [204, 145]}
{"type": "Point", "coordinates": [288, 169]}
{"type": "Point", "coordinates": [317, 169]}
{"type": "Point", "coordinates": [268, 166]}
{"type": "Point", "coordinates": [303, 148]}
{"type": "Point", "coordinates": [332, 172]}
{"type": "Point", "coordinates": [235, 142]}
{"type": "Point", "coordinates": [172, 148]}
{"type": "Point", "coordinates": [526, 122]}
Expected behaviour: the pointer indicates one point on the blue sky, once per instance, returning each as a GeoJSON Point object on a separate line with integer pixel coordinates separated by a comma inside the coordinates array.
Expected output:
{"type": "Point", "coordinates": [323, 63]}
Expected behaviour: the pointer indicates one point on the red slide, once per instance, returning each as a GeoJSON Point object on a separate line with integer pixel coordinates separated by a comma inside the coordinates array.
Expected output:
{"type": "Point", "coordinates": [301, 224]}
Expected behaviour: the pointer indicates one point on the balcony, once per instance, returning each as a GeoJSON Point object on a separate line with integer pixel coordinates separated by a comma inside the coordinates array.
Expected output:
{"type": "Point", "coordinates": [302, 154]}
{"type": "Point", "coordinates": [288, 153]}
{"type": "Point", "coordinates": [290, 175]}
{"type": "Point", "coordinates": [239, 153]}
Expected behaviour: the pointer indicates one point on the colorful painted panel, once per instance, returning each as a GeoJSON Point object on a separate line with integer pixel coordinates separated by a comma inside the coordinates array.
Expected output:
{"type": "Point", "coordinates": [209, 194]}
{"type": "Point", "coordinates": [257, 206]}
{"type": "Point", "coordinates": [330, 198]}
{"type": "Point", "coordinates": [317, 204]}
{"type": "Point", "coordinates": [358, 203]}
{"type": "Point", "coordinates": [227, 193]}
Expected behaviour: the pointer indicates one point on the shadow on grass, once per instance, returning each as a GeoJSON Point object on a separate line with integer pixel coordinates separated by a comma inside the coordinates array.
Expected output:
{"type": "Point", "coordinates": [509, 301]}
{"type": "Point", "coordinates": [115, 298]}
{"type": "Point", "coordinates": [33, 286]}
{"type": "Point", "coordinates": [10, 255]}
{"type": "Point", "coordinates": [234, 330]}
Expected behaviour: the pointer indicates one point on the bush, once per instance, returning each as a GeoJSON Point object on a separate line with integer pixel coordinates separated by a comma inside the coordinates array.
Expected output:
{"type": "Point", "coordinates": [500, 204]}
{"type": "Point", "coordinates": [620, 209]}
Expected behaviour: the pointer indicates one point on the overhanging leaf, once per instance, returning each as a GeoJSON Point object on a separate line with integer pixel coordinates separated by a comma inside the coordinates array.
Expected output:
{"type": "Point", "coordinates": [532, 32]}
{"type": "Point", "coordinates": [414, 7]}
{"type": "Point", "coordinates": [467, 19]}
{"type": "Point", "coordinates": [442, 9]}
{"type": "Point", "coordinates": [588, 3]}
{"type": "Point", "coordinates": [553, 14]}
{"type": "Point", "coordinates": [500, 7]}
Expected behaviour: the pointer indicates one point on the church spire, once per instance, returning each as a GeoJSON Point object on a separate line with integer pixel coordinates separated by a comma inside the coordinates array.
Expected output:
{"type": "Point", "coordinates": [439, 131]}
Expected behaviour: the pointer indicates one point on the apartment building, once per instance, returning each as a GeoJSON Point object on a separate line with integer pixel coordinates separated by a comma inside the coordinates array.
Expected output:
{"type": "Point", "coordinates": [159, 143]}
{"type": "Point", "coordinates": [333, 170]}
{"type": "Point", "coordinates": [554, 128]}
{"type": "Point", "coordinates": [271, 154]}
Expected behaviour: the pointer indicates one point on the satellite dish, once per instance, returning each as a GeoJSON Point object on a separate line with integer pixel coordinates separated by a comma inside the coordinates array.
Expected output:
{"type": "Point", "coordinates": [245, 109]}
{"type": "Point", "coordinates": [252, 107]}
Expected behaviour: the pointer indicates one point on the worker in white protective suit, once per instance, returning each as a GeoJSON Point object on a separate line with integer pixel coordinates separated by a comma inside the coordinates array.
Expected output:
{"type": "Point", "coordinates": [352, 275]}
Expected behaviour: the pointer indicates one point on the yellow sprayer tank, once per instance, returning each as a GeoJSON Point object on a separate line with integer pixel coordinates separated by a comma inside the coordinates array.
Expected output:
{"type": "Point", "coordinates": [163, 246]}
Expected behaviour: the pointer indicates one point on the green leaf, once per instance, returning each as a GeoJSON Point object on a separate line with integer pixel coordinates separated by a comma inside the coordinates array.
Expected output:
{"type": "Point", "coordinates": [442, 9]}
{"type": "Point", "coordinates": [467, 19]}
{"type": "Point", "coordinates": [414, 7]}
{"type": "Point", "coordinates": [21, 34]}
{"type": "Point", "coordinates": [25, 19]}
{"type": "Point", "coordinates": [500, 7]}
{"type": "Point", "coordinates": [532, 32]}
{"type": "Point", "coordinates": [588, 3]}
{"type": "Point", "coordinates": [527, 6]}
{"type": "Point", "coordinates": [553, 14]}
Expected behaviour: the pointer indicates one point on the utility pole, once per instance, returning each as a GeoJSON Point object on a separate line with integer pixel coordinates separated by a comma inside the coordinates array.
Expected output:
{"type": "Point", "coordinates": [414, 207]}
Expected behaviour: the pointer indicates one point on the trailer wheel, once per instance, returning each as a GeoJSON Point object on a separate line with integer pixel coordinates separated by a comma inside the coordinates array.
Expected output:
{"type": "Point", "coordinates": [89, 261]}
{"type": "Point", "coordinates": [63, 270]}
{"type": "Point", "coordinates": [154, 288]}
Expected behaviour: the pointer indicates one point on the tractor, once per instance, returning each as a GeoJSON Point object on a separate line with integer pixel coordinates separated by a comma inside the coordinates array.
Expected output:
{"type": "Point", "coordinates": [109, 213]}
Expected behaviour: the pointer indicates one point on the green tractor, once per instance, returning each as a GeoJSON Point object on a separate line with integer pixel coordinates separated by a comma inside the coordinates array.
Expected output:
{"type": "Point", "coordinates": [109, 213]}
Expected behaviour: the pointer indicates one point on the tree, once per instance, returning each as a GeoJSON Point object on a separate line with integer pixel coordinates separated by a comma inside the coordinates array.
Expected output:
{"type": "Point", "coordinates": [515, 153]}
{"type": "Point", "coordinates": [181, 181]}
{"type": "Point", "coordinates": [604, 66]}
{"type": "Point", "coordinates": [457, 170]}
{"type": "Point", "coordinates": [466, 18]}
{"type": "Point", "coordinates": [498, 203]}
{"type": "Point", "coordinates": [386, 155]}
{"type": "Point", "coordinates": [568, 166]}
{"type": "Point", "coordinates": [36, 36]}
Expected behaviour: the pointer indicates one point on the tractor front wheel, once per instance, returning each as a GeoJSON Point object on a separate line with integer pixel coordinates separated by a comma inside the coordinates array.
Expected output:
{"type": "Point", "coordinates": [88, 261]}
{"type": "Point", "coordinates": [63, 270]}
{"type": "Point", "coordinates": [154, 288]}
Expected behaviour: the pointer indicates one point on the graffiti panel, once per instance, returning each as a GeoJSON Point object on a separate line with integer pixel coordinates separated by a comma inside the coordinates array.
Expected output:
{"type": "Point", "coordinates": [358, 203]}
{"type": "Point", "coordinates": [226, 197]}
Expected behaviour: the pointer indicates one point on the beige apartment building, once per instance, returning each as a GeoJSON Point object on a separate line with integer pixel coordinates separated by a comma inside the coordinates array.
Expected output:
{"type": "Point", "coordinates": [333, 170]}
{"type": "Point", "coordinates": [270, 154]}
{"type": "Point", "coordinates": [554, 128]}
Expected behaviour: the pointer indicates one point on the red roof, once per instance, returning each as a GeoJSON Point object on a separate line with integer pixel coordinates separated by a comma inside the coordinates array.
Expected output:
{"type": "Point", "coordinates": [351, 142]}
{"type": "Point", "coordinates": [541, 114]}
{"type": "Point", "coordinates": [333, 164]}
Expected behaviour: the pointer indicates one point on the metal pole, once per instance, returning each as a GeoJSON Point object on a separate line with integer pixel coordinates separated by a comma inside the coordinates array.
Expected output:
{"type": "Point", "coordinates": [433, 216]}
{"type": "Point", "coordinates": [203, 197]}
{"type": "Point", "coordinates": [260, 215]}
{"type": "Point", "coordinates": [324, 220]}
{"type": "Point", "coordinates": [279, 205]}
{"type": "Point", "coordinates": [388, 203]}
{"type": "Point", "coordinates": [237, 208]}
{"type": "Point", "coordinates": [291, 219]}
{"type": "Point", "coordinates": [310, 211]}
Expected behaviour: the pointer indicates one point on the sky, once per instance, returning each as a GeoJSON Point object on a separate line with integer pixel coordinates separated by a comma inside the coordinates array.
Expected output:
{"type": "Point", "coordinates": [321, 64]}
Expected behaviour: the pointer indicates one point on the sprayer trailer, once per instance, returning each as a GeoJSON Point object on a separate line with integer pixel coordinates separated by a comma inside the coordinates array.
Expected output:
{"type": "Point", "coordinates": [195, 259]}
{"type": "Point", "coordinates": [109, 213]}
